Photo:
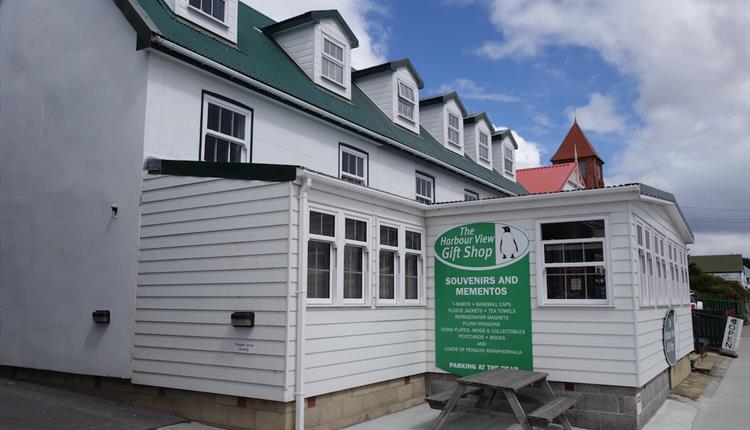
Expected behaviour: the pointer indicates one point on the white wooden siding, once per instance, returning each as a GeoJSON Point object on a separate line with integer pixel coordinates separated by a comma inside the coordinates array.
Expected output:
{"type": "Point", "coordinates": [299, 44]}
{"type": "Point", "coordinates": [650, 318]}
{"type": "Point", "coordinates": [210, 247]}
{"type": "Point", "coordinates": [351, 346]}
{"type": "Point", "coordinates": [471, 147]}
{"type": "Point", "coordinates": [433, 121]}
{"type": "Point", "coordinates": [593, 345]}
{"type": "Point", "coordinates": [379, 88]}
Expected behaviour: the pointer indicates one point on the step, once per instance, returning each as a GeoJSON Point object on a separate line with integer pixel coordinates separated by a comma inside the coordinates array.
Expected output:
{"type": "Point", "coordinates": [705, 366]}
{"type": "Point", "coordinates": [438, 401]}
{"type": "Point", "coordinates": [546, 413]}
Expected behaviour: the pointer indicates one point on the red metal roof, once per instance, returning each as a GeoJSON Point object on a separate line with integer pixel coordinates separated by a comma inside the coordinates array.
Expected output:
{"type": "Point", "coordinates": [575, 141]}
{"type": "Point", "coordinates": [547, 179]}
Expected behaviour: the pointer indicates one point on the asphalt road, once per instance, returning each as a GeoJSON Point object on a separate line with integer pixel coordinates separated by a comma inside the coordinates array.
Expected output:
{"type": "Point", "coordinates": [25, 406]}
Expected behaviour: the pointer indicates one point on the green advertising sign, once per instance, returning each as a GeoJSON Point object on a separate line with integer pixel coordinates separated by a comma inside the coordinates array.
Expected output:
{"type": "Point", "coordinates": [482, 299]}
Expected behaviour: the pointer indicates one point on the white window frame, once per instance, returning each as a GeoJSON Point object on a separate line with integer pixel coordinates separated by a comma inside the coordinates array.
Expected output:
{"type": "Point", "coordinates": [486, 146]}
{"type": "Point", "coordinates": [332, 280]}
{"type": "Point", "coordinates": [359, 154]}
{"type": "Point", "coordinates": [325, 56]}
{"type": "Point", "coordinates": [245, 142]}
{"type": "Point", "coordinates": [509, 149]}
{"type": "Point", "coordinates": [457, 144]}
{"type": "Point", "coordinates": [400, 268]}
{"type": "Point", "coordinates": [210, 15]}
{"type": "Point", "coordinates": [541, 265]}
{"type": "Point", "coordinates": [403, 98]}
{"type": "Point", "coordinates": [420, 197]}
{"type": "Point", "coordinates": [337, 258]}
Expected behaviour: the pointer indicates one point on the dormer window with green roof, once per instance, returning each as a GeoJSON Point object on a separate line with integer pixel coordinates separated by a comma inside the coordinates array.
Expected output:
{"type": "Point", "coordinates": [406, 101]}
{"type": "Point", "coordinates": [218, 17]}
{"type": "Point", "coordinates": [333, 60]}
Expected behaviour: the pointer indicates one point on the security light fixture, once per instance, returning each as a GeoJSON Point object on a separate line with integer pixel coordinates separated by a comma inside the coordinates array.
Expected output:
{"type": "Point", "coordinates": [243, 319]}
{"type": "Point", "coordinates": [100, 316]}
{"type": "Point", "coordinates": [115, 210]}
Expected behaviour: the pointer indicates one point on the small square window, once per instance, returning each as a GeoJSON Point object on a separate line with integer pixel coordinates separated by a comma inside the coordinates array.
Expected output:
{"type": "Point", "coordinates": [322, 224]}
{"type": "Point", "coordinates": [225, 137]}
{"type": "Point", "coordinates": [424, 188]}
{"type": "Point", "coordinates": [356, 230]}
{"type": "Point", "coordinates": [353, 165]}
{"type": "Point", "coordinates": [413, 240]}
{"type": "Point", "coordinates": [388, 236]}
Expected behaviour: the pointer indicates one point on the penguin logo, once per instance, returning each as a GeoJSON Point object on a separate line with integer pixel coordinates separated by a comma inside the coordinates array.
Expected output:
{"type": "Point", "coordinates": [508, 244]}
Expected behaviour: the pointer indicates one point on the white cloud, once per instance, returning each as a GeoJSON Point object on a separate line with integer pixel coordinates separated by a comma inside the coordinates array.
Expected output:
{"type": "Point", "coordinates": [529, 153]}
{"type": "Point", "coordinates": [470, 90]}
{"type": "Point", "coordinates": [372, 35]}
{"type": "Point", "coordinates": [599, 115]}
{"type": "Point", "coordinates": [541, 119]}
{"type": "Point", "coordinates": [720, 243]}
{"type": "Point", "coordinates": [689, 61]}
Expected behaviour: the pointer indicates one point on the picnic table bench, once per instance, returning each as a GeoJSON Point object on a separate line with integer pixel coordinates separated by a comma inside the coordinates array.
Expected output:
{"type": "Point", "coordinates": [486, 386]}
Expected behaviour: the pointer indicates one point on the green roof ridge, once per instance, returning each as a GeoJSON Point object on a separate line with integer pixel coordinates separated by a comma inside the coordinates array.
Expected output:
{"type": "Point", "coordinates": [390, 66]}
{"type": "Point", "coordinates": [313, 16]}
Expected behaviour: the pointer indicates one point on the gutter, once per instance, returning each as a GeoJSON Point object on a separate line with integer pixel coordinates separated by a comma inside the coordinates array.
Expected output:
{"type": "Point", "coordinates": [161, 41]}
{"type": "Point", "coordinates": [299, 371]}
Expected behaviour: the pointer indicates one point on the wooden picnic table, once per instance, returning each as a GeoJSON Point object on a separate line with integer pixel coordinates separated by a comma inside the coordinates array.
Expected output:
{"type": "Point", "coordinates": [487, 385]}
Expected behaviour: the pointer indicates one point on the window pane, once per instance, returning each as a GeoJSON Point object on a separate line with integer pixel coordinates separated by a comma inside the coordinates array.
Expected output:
{"type": "Point", "coordinates": [225, 121]}
{"type": "Point", "coordinates": [218, 9]}
{"type": "Point", "coordinates": [508, 153]}
{"type": "Point", "coordinates": [553, 253]}
{"type": "Point", "coordinates": [353, 272]}
{"type": "Point", "coordinates": [195, 3]}
{"type": "Point", "coordinates": [206, 7]}
{"type": "Point", "coordinates": [209, 149]}
{"type": "Point", "coordinates": [235, 155]}
{"type": "Point", "coordinates": [238, 130]}
{"type": "Point", "coordinates": [322, 224]}
{"type": "Point", "coordinates": [573, 230]}
{"type": "Point", "coordinates": [388, 236]}
{"type": "Point", "coordinates": [318, 269]}
{"type": "Point", "coordinates": [508, 166]}
{"type": "Point", "coordinates": [593, 251]}
{"type": "Point", "coordinates": [452, 121]}
{"type": "Point", "coordinates": [387, 275]}
{"type": "Point", "coordinates": [640, 235]}
{"type": "Point", "coordinates": [213, 117]}
{"type": "Point", "coordinates": [360, 166]}
{"type": "Point", "coordinates": [453, 136]}
{"type": "Point", "coordinates": [555, 283]}
{"type": "Point", "coordinates": [411, 277]}
{"type": "Point", "coordinates": [356, 230]}
{"type": "Point", "coordinates": [573, 252]}
{"type": "Point", "coordinates": [413, 240]}
{"type": "Point", "coordinates": [222, 150]}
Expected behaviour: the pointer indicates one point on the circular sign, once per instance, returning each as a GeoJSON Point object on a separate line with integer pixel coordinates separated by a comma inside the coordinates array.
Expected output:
{"type": "Point", "coordinates": [669, 335]}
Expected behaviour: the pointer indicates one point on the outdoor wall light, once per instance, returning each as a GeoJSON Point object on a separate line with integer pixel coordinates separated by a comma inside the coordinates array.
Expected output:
{"type": "Point", "coordinates": [115, 210]}
{"type": "Point", "coordinates": [243, 319]}
{"type": "Point", "coordinates": [100, 316]}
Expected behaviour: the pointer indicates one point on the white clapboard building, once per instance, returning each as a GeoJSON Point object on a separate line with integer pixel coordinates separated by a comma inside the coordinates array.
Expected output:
{"type": "Point", "coordinates": [197, 198]}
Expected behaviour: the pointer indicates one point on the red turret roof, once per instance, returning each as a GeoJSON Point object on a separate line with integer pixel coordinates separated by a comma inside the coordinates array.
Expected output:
{"type": "Point", "coordinates": [547, 179]}
{"type": "Point", "coordinates": [575, 141]}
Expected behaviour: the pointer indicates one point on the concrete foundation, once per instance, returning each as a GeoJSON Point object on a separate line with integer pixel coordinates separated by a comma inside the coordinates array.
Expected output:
{"type": "Point", "coordinates": [326, 412]}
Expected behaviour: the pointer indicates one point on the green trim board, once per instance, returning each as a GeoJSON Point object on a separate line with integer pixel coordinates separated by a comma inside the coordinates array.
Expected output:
{"type": "Point", "coordinates": [390, 66]}
{"type": "Point", "coordinates": [313, 16]}
{"type": "Point", "coordinates": [209, 169]}
{"type": "Point", "coordinates": [258, 57]}
{"type": "Point", "coordinates": [442, 99]}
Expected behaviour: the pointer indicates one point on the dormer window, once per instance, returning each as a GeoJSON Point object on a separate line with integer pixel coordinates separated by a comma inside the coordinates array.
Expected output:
{"type": "Point", "coordinates": [333, 61]}
{"type": "Point", "coordinates": [406, 101]}
{"type": "Point", "coordinates": [484, 147]}
{"type": "Point", "coordinates": [508, 161]}
{"type": "Point", "coordinates": [213, 8]}
{"type": "Point", "coordinates": [454, 132]}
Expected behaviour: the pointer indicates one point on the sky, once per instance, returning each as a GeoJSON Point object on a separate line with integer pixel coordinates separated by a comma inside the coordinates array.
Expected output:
{"type": "Point", "coordinates": [661, 88]}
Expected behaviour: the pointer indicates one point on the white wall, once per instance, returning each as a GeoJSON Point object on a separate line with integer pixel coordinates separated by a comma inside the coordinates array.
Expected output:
{"type": "Point", "coordinates": [299, 44]}
{"type": "Point", "coordinates": [650, 318]}
{"type": "Point", "coordinates": [591, 344]}
{"type": "Point", "coordinates": [73, 101]}
{"type": "Point", "coordinates": [280, 134]}
{"type": "Point", "coordinates": [379, 89]}
{"type": "Point", "coordinates": [351, 346]}
{"type": "Point", "coordinates": [210, 247]}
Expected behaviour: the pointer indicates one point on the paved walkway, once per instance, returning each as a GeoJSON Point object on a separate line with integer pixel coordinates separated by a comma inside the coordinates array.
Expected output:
{"type": "Point", "coordinates": [25, 406]}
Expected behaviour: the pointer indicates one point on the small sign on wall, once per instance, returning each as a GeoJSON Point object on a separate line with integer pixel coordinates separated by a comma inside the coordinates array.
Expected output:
{"type": "Point", "coordinates": [731, 342]}
{"type": "Point", "coordinates": [243, 346]}
{"type": "Point", "coordinates": [670, 337]}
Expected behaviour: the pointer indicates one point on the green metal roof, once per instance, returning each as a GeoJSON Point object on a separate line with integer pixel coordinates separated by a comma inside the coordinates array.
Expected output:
{"type": "Point", "coordinates": [442, 99]}
{"type": "Point", "coordinates": [390, 66]}
{"type": "Point", "coordinates": [313, 16]}
{"type": "Point", "coordinates": [257, 56]}
{"type": "Point", "coordinates": [718, 263]}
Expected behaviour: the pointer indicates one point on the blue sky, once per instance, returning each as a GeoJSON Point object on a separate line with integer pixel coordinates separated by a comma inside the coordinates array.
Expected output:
{"type": "Point", "coordinates": [661, 88]}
